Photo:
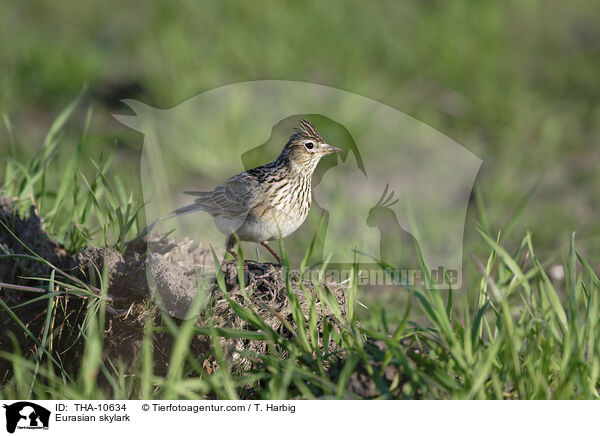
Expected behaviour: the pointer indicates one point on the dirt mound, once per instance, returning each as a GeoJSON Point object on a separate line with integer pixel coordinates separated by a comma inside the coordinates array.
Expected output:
{"type": "Point", "coordinates": [154, 277]}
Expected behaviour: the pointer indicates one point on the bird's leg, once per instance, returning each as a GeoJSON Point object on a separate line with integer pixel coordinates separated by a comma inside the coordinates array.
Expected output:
{"type": "Point", "coordinates": [231, 240]}
{"type": "Point", "coordinates": [275, 255]}
{"type": "Point", "coordinates": [233, 253]}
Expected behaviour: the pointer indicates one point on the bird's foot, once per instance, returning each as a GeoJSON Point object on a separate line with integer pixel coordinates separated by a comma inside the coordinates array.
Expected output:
{"type": "Point", "coordinates": [235, 259]}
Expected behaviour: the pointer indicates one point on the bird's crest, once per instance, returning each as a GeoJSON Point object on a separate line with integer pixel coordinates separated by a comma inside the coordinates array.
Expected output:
{"type": "Point", "coordinates": [306, 130]}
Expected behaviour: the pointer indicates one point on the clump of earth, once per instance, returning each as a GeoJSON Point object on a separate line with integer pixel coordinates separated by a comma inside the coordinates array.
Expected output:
{"type": "Point", "coordinates": [155, 277]}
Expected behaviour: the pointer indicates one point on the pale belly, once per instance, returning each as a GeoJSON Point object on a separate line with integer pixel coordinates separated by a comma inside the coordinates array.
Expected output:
{"type": "Point", "coordinates": [259, 229]}
{"type": "Point", "coordinates": [269, 223]}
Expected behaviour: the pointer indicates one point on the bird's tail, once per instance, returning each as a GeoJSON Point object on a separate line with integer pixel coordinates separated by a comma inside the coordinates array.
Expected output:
{"type": "Point", "coordinates": [197, 206]}
{"type": "Point", "coordinates": [187, 209]}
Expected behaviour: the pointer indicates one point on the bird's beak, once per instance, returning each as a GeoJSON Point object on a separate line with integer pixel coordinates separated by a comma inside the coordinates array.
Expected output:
{"type": "Point", "coordinates": [331, 149]}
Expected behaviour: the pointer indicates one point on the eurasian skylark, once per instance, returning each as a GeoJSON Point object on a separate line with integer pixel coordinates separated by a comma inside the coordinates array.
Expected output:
{"type": "Point", "coordinates": [273, 200]}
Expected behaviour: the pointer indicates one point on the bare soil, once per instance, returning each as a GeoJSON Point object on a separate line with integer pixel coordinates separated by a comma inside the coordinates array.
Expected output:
{"type": "Point", "coordinates": [173, 270]}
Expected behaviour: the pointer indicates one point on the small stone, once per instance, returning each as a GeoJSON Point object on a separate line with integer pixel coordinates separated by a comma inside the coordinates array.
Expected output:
{"type": "Point", "coordinates": [556, 272]}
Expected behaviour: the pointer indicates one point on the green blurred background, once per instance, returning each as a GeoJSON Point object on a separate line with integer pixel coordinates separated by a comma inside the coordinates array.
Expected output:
{"type": "Point", "coordinates": [515, 82]}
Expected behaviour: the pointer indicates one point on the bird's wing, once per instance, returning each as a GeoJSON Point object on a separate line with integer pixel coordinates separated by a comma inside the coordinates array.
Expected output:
{"type": "Point", "coordinates": [232, 199]}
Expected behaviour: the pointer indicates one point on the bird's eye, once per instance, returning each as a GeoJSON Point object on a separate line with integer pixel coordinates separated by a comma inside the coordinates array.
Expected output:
{"type": "Point", "coordinates": [309, 145]}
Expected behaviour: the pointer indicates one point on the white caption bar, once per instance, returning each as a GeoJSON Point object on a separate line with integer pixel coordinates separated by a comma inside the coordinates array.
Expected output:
{"type": "Point", "coordinates": [298, 417]}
